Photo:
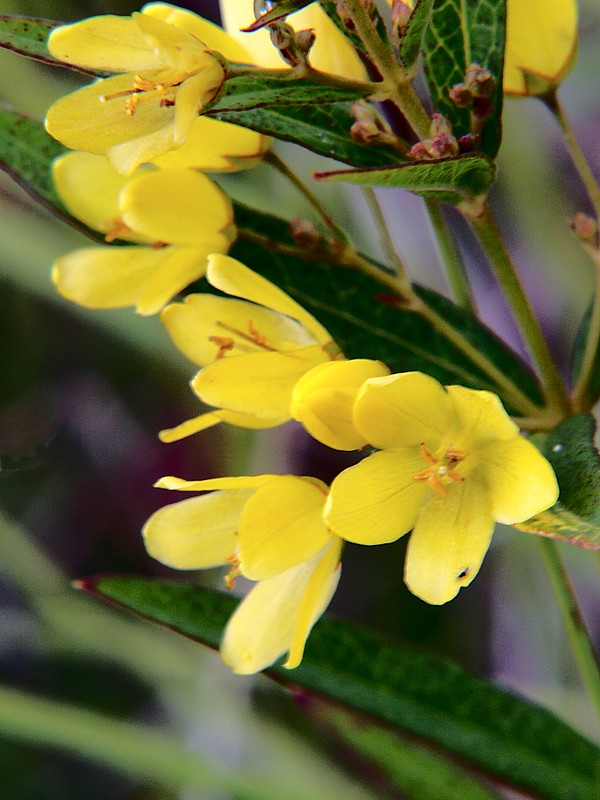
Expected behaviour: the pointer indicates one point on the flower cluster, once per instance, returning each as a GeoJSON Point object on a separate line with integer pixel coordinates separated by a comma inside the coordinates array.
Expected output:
{"type": "Point", "coordinates": [443, 463]}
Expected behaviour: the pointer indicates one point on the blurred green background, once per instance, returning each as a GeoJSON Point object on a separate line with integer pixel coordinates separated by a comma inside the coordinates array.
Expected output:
{"type": "Point", "coordinates": [82, 396]}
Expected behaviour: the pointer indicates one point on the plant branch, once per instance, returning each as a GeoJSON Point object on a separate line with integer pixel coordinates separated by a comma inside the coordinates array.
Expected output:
{"type": "Point", "coordinates": [450, 257]}
{"type": "Point", "coordinates": [573, 621]}
{"type": "Point", "coordinates": [493, 244]}
{"type": "Point", "coordinates": [583, 398]}
{"type": "Point", "coordinates": [384, 233]}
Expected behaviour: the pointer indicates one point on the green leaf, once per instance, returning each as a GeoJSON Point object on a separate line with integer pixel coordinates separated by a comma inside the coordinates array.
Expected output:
{"type": "Point", "coordinates": [560, 523]}
{"type": "Point", "coordinates": [357, 312]}
{"type": "Point", "coordinates": [459, 34]}
{"type": "Point", "coordinates": [503, 736]}
{"type": "Point", "coordinates": [571, 451]}
{"type": "Point", "coordinates": [323, 129]}
{"type": "Point", "coordinates": [404, 766]}
{"type": "Point", "coordinates": [593, 392]}
{"type": "Point", "coordinates": [461, 179]}
{"type": "Point", "coordinates": [261, 91]}
{"type": "Point", "coordinates": [280, 9]}
{"type": "Point", "coordinates": [412, 36]}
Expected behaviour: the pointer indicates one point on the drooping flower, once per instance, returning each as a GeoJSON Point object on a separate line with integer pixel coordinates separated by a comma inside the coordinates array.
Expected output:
{"type": "Point", "coordinates": [541, 42]}
{"type": "Point", "coordinates": [253, 350]}
{"type": "Point", "coordinates": [165, 77]}
{"type": "Point", "coordinates": [450, 464]}
{"type": "Point", "coordinates": [331, 52]}
{"type": "Point", "coordinates": [178, 217]}
{"type": "Point", "coordinates": [269, 529]}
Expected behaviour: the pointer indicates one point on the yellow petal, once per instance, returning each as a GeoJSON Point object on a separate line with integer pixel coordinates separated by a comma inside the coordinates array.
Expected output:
{"type": "Point", "coordinates": [377, 501]}
{"type": "Point", "coordinates": [332, 52]}
{"type": "Point", "coordinates": [480, 417]}
{"type": "Point", "coordinates": [127, 156]}
{"type": "Point", "coordinates": [281, 526]}
{"type": "Point", "coordinates": [256, 383]}
{"type": "Point", "coordinates": [402, 410]}
{"type": "Point", "coordinates": [174, 46]}
{"type": "Point", "coordinates": [204, 421]}
{"type": "Point", "coordinates": [449, 542]}
{"type": "Point", "coordinates": [214, 37]}
{"type": "Point", "coordinates": [177, 206]}
{"type": "Point", "coordinates": [210, 484]}
{"type": "Point", "coordinates": [114, 277]}
{"type": "Point", "coordinates": [109, 43]}
{"type": "Point", "coordinates": [194, 94]}
{"type": "Point", "coordinates": [94, 120]}
{"type": "Point", "coordinates": [73, 175]}
{"type": "Point", "coordinates": [276, 615]}
{"type": "Point", "coordinates": [216, 146]}
{"type": "Point", "coordinates": [541, 41]}
{"type": "Point", "coordinates": [520, 481]}
{"type": "Point", "coordinates": [232, 277]}
{"type": "Point", "coordinates": [198, 532]}
{"type": "Point", "coordinates": [196, 324]}
{"type": "Point", "coordinates": [323, 400]}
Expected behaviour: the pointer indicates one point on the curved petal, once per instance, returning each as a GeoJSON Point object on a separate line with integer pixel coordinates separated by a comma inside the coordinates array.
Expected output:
{"type": "Point", "coordinates": [233, 277]}
{"type": "Point", "coordinates": [480, 417]}
{"type": "Point", "coordinates": [449, 542]}
{"type": "Point", "coordinates": [178, 206]}
{"type": "Point", "coordinates": [110, 43]}
{"type": "Point", "coordinates": [323, 400]}
{"type": "Point", "coordinates": [215, 146]}
{"type": "Point", "coordinates": [541, 39]}
{"type": "Point", "coordinates": [198, 532]}
{"type": "Point", "coordinates": [214, 37]}
{"type": "Point", "coordinates": [74, 173]}
{"type": "Point", "coordinates": [281, 526]}
{"type": "Point", "coordinates": [127, 156]}
{"type": "Point", "coordinates": [204, 421]}
{"type": "Point", "coordinates": [402, 410]}
{"type": "Point", "coordinates": [259, 384]}
{"type": "Point", "coordinates": [377, 501]}
{"type": "Point", "coordinates": [519, 480]}
{"type": "Point", "coordinates": [198, 323]}
{"type": "Point", "coordinates": [277, 615]}
{"type": "Point", "coordinates": [208, 485]}
{"type": "Point", "coordinates": [194, 94]}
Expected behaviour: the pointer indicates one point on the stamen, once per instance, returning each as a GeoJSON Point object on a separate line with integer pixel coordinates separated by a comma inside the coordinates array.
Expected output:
{"type": "Point", "coordinates": [440, 471]}
{"type": "Point", "coordinates": [117, 229]}
{"type": "Point", "coordinates": [254, 337]}
{"type": "Point", "coordinates": [234, 571]}
{"type": "Point", "coordinates": [224, 344]}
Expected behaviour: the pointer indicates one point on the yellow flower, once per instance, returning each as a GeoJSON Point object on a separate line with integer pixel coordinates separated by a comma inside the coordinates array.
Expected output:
{"type": "Point", "coordinates": [323, 400]}
{"type": "Point", "coordinates": [541, 42]}
{"type": "Point", "coordinates": [331, 52]}
{"type": "Point", "coordinates": [179, 215]}
{"type": "Point", "coordinates": [253, 350]}
{"type": "Point", "coordinates": [167, 75]}
{"type": "Point", "coordinates": [450, 464]}
{"type": "Point", "coordinates": [269, 529]}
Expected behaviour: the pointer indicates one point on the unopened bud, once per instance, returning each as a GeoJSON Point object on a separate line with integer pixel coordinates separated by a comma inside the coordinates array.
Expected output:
{"type": "Point", "coordinates": [365, 131]}
{"type": "Point", "coordinates": [282, 35]}
{"type": "Point", "coordinates": [585, 228]}
{"type": "Point", "coordinates": [441, 144]}
{"type": "Point", "coordinates": [480, 81]}
{"type": "Point", "coordinates": [401, 13]}
{"type": "Point", "coordinates": [461, 95]}
{"type": "Point", "coordinates": [304, 233]}
{"type": "Point", "coordinates": [305, 40]}
{"type": "Point", "coordinates": [440, 125]}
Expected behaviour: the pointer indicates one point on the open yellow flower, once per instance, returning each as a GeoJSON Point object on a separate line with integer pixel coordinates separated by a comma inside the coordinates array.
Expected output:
{"type": "Point", "coordinates": [331, 52]}
{"type": "Point", "coordinates": [541, 42]}
{"type": "Point", "coordinates": [253, 350]}
{"type": "Point", "coordinates": [179, 216]}
{"type": "Point", "coordinates": [269, 529]}
{"type": "Point", "coordinates": [450, 464]}
{"type": "Point", "coordinates": [166, 76]}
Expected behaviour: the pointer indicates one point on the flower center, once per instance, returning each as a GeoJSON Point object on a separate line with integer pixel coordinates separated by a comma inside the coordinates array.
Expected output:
{"type": "Point", "coordinates": [254, 338]}
{"type": "Point", "coordinates": [440, 471]}
{"type": "Point", "coordinates": [146, 88]}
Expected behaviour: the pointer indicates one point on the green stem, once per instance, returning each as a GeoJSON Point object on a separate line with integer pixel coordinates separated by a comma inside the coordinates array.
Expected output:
{"type": "Point", "coordinates": [493, 244]}
{"type": "Point", "coordinates": [291, 74]}
{"type": "Point", "coordinates": [384, 234]}
{"type": "Point", "coordinates": [573, 621]}
{"type": "Point", "coordinates": [279, 164]}
{"type": "Point", "coordinates": [132, 750]}
{"type": "Point", "coordinates": [450, 257]}
{"type": "Point", "coordinates": [575, 151]}
{"type": "Point", "coordinates": [396, 84]}
{"type": "Point", "coordinates": [582, 397]}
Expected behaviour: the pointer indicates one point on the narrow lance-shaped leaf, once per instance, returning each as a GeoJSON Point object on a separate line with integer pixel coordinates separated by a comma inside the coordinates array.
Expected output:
{"type": "Point", "coordinates": [460, 34]}
{"type": "Point", "coordinates": [279, 11]}
{"type": "Point", "coordinates": [461, 179]}
{"type": "Point", "coordinates": [593, 392]}
{"type": "Point", "coordinates": [411, 39]}
{"type": "Point", "coordinates": [503, 736]}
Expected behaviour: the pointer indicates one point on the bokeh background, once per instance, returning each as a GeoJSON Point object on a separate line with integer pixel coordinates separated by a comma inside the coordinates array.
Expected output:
{"type": "Point", "coordinates": [83, 394]}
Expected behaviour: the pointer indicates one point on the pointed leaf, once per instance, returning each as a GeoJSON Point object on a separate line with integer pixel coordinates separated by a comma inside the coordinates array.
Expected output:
{"type": "Point", "coordinates": [460, 34]}
{"type": "Point", "coordinates": [560, 523]}
{"type": "Point", "coordinates": [503, 736]}
{"type": "Point", "coordinates": [412, 36]}
{"type": "Point", "coordinates": [462, 179]}
{"type": "Point", "coordinates": [593, 391]}
{"type": "Point", "coordinates": [280, 10]}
